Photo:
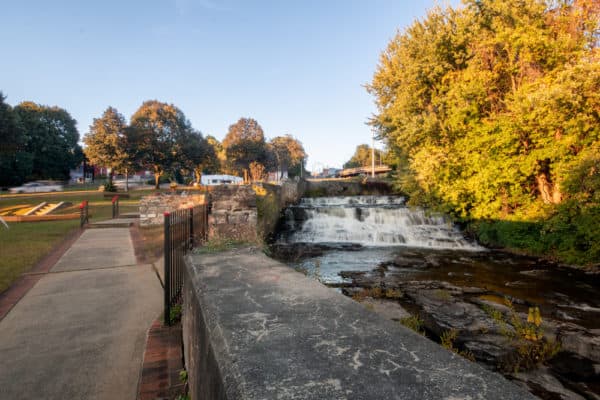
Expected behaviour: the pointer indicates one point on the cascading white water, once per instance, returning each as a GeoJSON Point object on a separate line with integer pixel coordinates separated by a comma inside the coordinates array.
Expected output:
{"type": "Point", "coordinates": [371, 221]}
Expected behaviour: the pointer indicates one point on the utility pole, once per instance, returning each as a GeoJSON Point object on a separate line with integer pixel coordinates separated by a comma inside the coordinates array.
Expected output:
{"type": "Point", "coordinates": [373, 153]}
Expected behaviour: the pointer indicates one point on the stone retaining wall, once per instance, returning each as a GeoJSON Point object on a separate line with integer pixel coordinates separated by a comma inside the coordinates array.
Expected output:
{"type": "Point", "coordinates": [346, 187]}
{"type": "Point", "coordinates": [291, 191]}
{"type": "Point", "coordinates": [153, 207]}
{"type": "Point", "coordinates": [233, 213]}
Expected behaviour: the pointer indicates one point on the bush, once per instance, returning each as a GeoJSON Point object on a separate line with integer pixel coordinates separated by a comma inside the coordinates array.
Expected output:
{"type": "Point", "coordinates": [110, 187]}
{"type": "Point", "coordinates": [414, 323]}
{"type": "Point", "coordinates": [570, 234]}
{"type": "Point", "coordinates": [531, 346]}
{"type": "Point", "coordinates": [268, 210]}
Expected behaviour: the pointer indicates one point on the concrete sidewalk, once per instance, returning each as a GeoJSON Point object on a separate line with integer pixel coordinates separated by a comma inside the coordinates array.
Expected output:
{"type": "Point", "coordinates": [80, 331]}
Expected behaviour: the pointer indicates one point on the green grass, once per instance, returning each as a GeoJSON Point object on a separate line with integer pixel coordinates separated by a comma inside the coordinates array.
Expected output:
{"type": "Point", "coordinates": [220, 245]}
{"type": "Point", "coordinates": [25, 243]}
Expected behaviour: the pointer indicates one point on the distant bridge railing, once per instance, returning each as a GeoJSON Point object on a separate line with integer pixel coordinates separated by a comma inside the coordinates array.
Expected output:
{"type": "Point", "coordinates": [380, 169]}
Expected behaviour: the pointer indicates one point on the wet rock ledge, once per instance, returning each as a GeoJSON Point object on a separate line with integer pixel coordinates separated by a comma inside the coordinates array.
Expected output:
{"type": "Point", "coordinates": [256, 329]}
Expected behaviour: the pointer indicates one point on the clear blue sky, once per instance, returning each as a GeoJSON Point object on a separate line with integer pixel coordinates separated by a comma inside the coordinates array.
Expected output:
{"type": "Point", "coordinates": [297, 67]}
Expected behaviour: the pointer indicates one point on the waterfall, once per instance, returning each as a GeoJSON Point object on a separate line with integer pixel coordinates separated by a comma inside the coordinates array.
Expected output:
{"type": "Point", "coordinates": [370, 221]}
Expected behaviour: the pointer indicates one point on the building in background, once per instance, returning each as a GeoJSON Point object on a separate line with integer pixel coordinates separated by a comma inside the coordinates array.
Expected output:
{"type": "Point", "coordinates": [211, 180]}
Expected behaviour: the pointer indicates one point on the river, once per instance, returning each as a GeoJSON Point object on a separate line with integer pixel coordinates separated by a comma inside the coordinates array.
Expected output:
{"type": "Point", "coordinates": [451, 284]}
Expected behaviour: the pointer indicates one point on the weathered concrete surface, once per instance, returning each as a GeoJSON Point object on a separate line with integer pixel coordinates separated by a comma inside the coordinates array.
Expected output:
{"type": "Point", "coordinates": [80, 334]}
{"type": "Point", "coordinates": [256, 329]}
{"type": "Point", "coordinates": [98, 248]}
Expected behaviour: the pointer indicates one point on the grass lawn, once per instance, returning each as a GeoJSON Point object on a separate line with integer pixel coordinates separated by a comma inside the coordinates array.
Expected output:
{"type": "Point", "coordinates": [25, 243]}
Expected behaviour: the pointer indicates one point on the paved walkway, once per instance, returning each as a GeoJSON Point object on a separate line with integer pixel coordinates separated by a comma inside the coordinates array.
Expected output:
{"type": "Point", "coordinates": [79, 333]}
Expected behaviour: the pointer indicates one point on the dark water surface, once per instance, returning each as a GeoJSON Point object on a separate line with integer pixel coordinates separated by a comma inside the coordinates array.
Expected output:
{"type": "Point", "coordinates": [562, 293]}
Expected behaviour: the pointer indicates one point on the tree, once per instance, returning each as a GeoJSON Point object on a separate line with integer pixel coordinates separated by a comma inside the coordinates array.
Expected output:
{"type": "Point", "coordinates": [106, 142]}
{"type": "Point", "coordinates": [15, 163]}
{"type": "Point", "coordinates": [51, 140]}
{"type": "Point", "coordinates": [257, 171]}
{"type": "Point", "coordinates": [289, 154]}
{"type": "Point", "coordinates": [156, 132]}
{"type": "Point", "coordinates": [362, 157]}
{"type": "Point", "coordinates": [216, 157]}
{"type": "Point", "coordinates": [198, 154]}
{"type": "Point", "coordinates": [243, 144]}
{"type": "Point", "coordinates": [491, 110]}
{"type": "Point", "coordinates": [245, 129]}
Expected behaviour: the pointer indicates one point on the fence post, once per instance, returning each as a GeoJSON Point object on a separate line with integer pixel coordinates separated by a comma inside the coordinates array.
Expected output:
{"type": "Point", "coordinates": [191, 219]}
{"type": "Point", "coordinates": [115, 206]}
{"type": "Point", "coordinates": [205, 222]}
{"type": "Point", "coordinates": [83, 213]}
{"type": "Point", "coordinates": [167, 256]}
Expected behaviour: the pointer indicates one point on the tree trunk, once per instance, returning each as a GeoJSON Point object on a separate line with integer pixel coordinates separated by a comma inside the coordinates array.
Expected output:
{"type": "Point", "coordinates": [157, 174]}
{"type": "Point", "coordinates": [198, 175]}
{"type": "Point", "coordinates": [126, 180]}
{"type": "Point", "coordinates": [550, 192]}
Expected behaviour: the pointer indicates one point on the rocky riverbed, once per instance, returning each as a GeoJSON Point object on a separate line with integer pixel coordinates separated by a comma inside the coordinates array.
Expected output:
{"type": "Point", "coordinates": [481, 305]}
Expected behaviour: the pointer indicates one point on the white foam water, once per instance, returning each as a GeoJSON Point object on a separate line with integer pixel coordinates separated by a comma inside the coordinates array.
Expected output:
{"type": "Point", "coordinates": [372, 221]}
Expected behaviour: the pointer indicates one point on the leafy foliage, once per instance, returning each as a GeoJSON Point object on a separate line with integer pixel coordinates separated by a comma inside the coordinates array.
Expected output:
{"type": "Point", "coordinates": [15, 163]}
{"type": "Point", "coordinates": [196, 154]}
{"type": "Point", "coordinates": [157, 132]}
{"type": "Point", "coordinates": [414, 323]}
{"type": "Point", "coordinates": [491, 114]}
{"type": "Point", "coordinates": [362, 157]}
{"type": "Point", "coordinates": [257, 171]}
{"type": "Point", "coordinates": [528, 339]}
{"type": "Point", "coordinates": [447, 341]}
{"type": "Point", "coordinates": [106, 142]}
{"type": "Point", "coordinates": [50, 143]}
{"type": "Point", "coordinates": [244, 144]}
{"type": "Point", "coordinates": [289, 154]}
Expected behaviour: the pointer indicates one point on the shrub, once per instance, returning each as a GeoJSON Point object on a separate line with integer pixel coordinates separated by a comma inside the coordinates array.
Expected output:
{"type": "Point", "coordinates": [414, 323]}
{"type": "Point", "coordinates": [531, 347]}
{"type": "Point", "coordinates": [110, 187]}
{"type": "Point", "coordinates": [447, 341]}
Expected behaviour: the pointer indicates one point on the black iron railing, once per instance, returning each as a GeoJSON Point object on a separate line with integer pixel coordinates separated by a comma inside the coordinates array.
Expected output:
{"type": "Point", "coordinates": [184, 229]}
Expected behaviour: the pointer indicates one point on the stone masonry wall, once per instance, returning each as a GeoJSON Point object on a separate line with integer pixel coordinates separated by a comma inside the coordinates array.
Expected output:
{"type": "Point", "coordinates": [233, 213]}
{"type": "Point", "coordinates": [153, 207]}
{"type": "Point", "coordinates": [291, 191]}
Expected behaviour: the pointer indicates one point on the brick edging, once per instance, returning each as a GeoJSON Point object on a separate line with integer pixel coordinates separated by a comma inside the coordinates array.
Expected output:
{"type": "Point", "coordinates": [163, 360]}
{"type": "Point", "coordinates": [19, 288]}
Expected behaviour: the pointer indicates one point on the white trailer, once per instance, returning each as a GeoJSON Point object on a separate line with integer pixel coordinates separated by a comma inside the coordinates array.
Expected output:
{"type": "Point", "coordinates": [212, 180]}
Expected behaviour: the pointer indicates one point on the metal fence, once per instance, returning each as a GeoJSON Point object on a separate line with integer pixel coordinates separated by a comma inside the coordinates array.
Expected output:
{"type": "Point", "coordinates": [184, 229]}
